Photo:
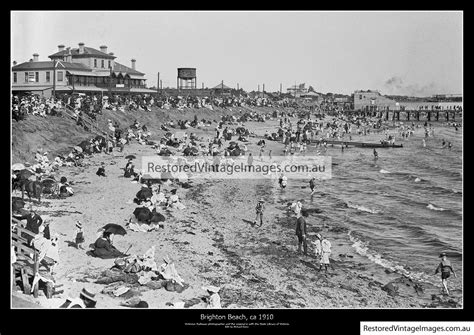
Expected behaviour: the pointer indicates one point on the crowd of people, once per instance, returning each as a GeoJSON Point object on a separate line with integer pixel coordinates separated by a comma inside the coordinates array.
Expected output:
{"type": "Point", "coordinates": [34, 105]}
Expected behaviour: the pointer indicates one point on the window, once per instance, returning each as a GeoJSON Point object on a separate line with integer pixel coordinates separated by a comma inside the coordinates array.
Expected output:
{"type": "Point", "coordinates": [102, 63]}
{"type": "Point", "coordinates": [109, 64]}
{"type": "Point", "coordinates": [31, 77]}
{"type": "Point", "coordinates": [37, 77]}
{"type": "Point", "coordinates": [48, 76]}
{"type": "Point", "coordinates": [26, 77]}
{"type": "Point", "coordinates": [60, 76]}
{"type": "Point", "coordinates": [95, 62]}
{"type": "Point", "coordinates": [14, 77]}
{"type": "Point", "coordinates": [360, 97]}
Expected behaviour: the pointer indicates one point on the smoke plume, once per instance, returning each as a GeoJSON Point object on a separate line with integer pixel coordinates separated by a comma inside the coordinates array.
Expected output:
{"type": "Point", "coordinates": [397, 86]}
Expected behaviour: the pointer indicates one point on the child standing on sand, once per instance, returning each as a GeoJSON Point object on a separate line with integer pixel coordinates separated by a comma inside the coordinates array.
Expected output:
{"type": "Point", "coordinates": [79, 235]}
{"type": "Point", "coordinates": [325, 253]}
{"type": "Point", "coordinates": [317, 247]}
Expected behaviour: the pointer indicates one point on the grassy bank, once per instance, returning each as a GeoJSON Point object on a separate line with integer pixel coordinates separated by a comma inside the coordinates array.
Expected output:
{"type": "Point", "coordinates": [57, 135]}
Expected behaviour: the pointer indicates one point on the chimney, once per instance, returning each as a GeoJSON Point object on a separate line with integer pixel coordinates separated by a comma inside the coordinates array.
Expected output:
{"type": "Point", "coordinates": [60, 48]}
{"type": "Point", "coordinates": [111, 53]}
{"type": "Point", "coordinates": [31, 59]}
{"type": "Point", "coordinates": [69, 56]}
{"type": "Point", "coordinates": [81, 48]}
{"type": "Point", "coordinates": [133, 63]}
{"type": "Point", "coordinates": [14, 63]}
{"type": "Point", "coordinates": [103, 48]}
{"type": "Point", "coordinates": [35, 57]}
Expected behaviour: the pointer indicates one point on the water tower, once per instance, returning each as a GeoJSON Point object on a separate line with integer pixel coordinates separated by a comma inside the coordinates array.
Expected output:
{"type": "Point", "coordinates": [186, 78]}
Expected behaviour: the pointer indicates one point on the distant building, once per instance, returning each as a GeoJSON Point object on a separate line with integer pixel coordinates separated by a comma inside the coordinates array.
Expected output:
{"type": "Point", "coordinates": [372, 100]}
{"type": "Point", "coordinates": [82, 69]}
{"type": "Point", "coordinates": [221, 89]}
{"type": "Point", "coordinates": [310, 96]}
{"type": "Point", "coordinates": [297, 90]}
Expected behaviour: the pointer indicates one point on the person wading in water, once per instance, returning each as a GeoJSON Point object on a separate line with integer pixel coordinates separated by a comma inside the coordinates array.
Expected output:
{"type": "Point", "coordinates": [446, 269]}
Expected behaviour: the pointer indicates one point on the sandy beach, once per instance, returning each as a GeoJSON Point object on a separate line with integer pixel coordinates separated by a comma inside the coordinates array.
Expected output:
{"type": "Point", "coordinates": [212, 242]}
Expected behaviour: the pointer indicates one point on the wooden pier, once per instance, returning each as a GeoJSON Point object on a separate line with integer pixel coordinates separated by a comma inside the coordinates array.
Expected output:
{"type": "Point", "coordinates": [360, 144]}
{"type": "Point", "coordinates": [411, 115]}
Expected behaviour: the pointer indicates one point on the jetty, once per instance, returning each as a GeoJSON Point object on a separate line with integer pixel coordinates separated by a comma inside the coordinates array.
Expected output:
{"type": "Point", "coordinates": [360, 144]}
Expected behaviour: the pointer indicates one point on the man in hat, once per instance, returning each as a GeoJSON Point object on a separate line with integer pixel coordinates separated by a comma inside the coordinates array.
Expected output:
{"type": "Point", "coordinates": [85, 300]}
{"type": "Point", "coordinates": [446, 269]}
{"type": "Point", "coordinates": [259, 210]}
{"type": "Point", "coordinates": [88, 298]}
{"type": "Point", "coordinates": [33, 222]}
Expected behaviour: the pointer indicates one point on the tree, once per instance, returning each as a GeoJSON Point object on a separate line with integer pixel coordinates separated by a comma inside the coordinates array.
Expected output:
{"type": "Point", "coordinates": [311, 89]}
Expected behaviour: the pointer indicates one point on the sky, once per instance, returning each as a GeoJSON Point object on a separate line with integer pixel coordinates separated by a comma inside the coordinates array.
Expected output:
{"type": "Point", "coordinates": [405, 53]}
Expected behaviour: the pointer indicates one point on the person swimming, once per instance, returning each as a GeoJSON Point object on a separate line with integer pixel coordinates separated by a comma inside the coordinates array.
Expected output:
{"type": "Point", "coordinates": [376, 155]}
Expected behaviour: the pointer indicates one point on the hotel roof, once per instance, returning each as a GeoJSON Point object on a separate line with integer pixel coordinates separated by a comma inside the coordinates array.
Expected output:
{"type": "Point", "coordinates": [122, 68]}
{"type": "Point", "coordinates": [48, 65]}
{"type": "Point", "coordinates": [88, 52]}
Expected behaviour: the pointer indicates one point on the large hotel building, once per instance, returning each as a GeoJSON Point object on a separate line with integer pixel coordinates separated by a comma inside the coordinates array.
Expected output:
{"type": "Point", "coordinates": [81, 70]}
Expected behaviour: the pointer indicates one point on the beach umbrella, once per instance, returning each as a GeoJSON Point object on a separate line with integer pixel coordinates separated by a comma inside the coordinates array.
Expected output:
{"type": "Point", "coordinates": [130, 157]}
{"type": "Point", "coordinates": [18, 167]}
{"type": "Point", "coordinates": [78, 148]}
{"type": "Point", "coordinates": [114, 229]}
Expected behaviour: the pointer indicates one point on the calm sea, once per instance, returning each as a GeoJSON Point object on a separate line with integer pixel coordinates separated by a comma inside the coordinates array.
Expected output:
{"type": "Point", "coordinates": [402, 210]}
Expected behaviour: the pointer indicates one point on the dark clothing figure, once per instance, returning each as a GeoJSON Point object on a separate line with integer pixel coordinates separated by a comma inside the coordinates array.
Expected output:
{"type": "Point", "coordinates": [259, 210]}
{"type": "Point", "coordinates": [128, 170]}
{"type": "Point", "coordinates": [101, 172]}
{"type": "Point", "coordinates": [63, 191]}
{"type": "Point", "coordinates": [301, 233]}
{"type": "Point", "coordinates": [105, 250]}
{"type": "Point", "coordinates": [33, 222]}
{"type": "Point", "coordinates": [445, 268]}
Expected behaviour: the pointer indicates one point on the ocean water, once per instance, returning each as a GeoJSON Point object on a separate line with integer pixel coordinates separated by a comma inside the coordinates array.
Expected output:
{"type": "Point", "coordinates": [402, 210]}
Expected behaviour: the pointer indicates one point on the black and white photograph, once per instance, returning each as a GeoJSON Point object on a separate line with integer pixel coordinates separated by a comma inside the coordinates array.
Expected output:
{"type": "Point", "coordinates": [237, 160]}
